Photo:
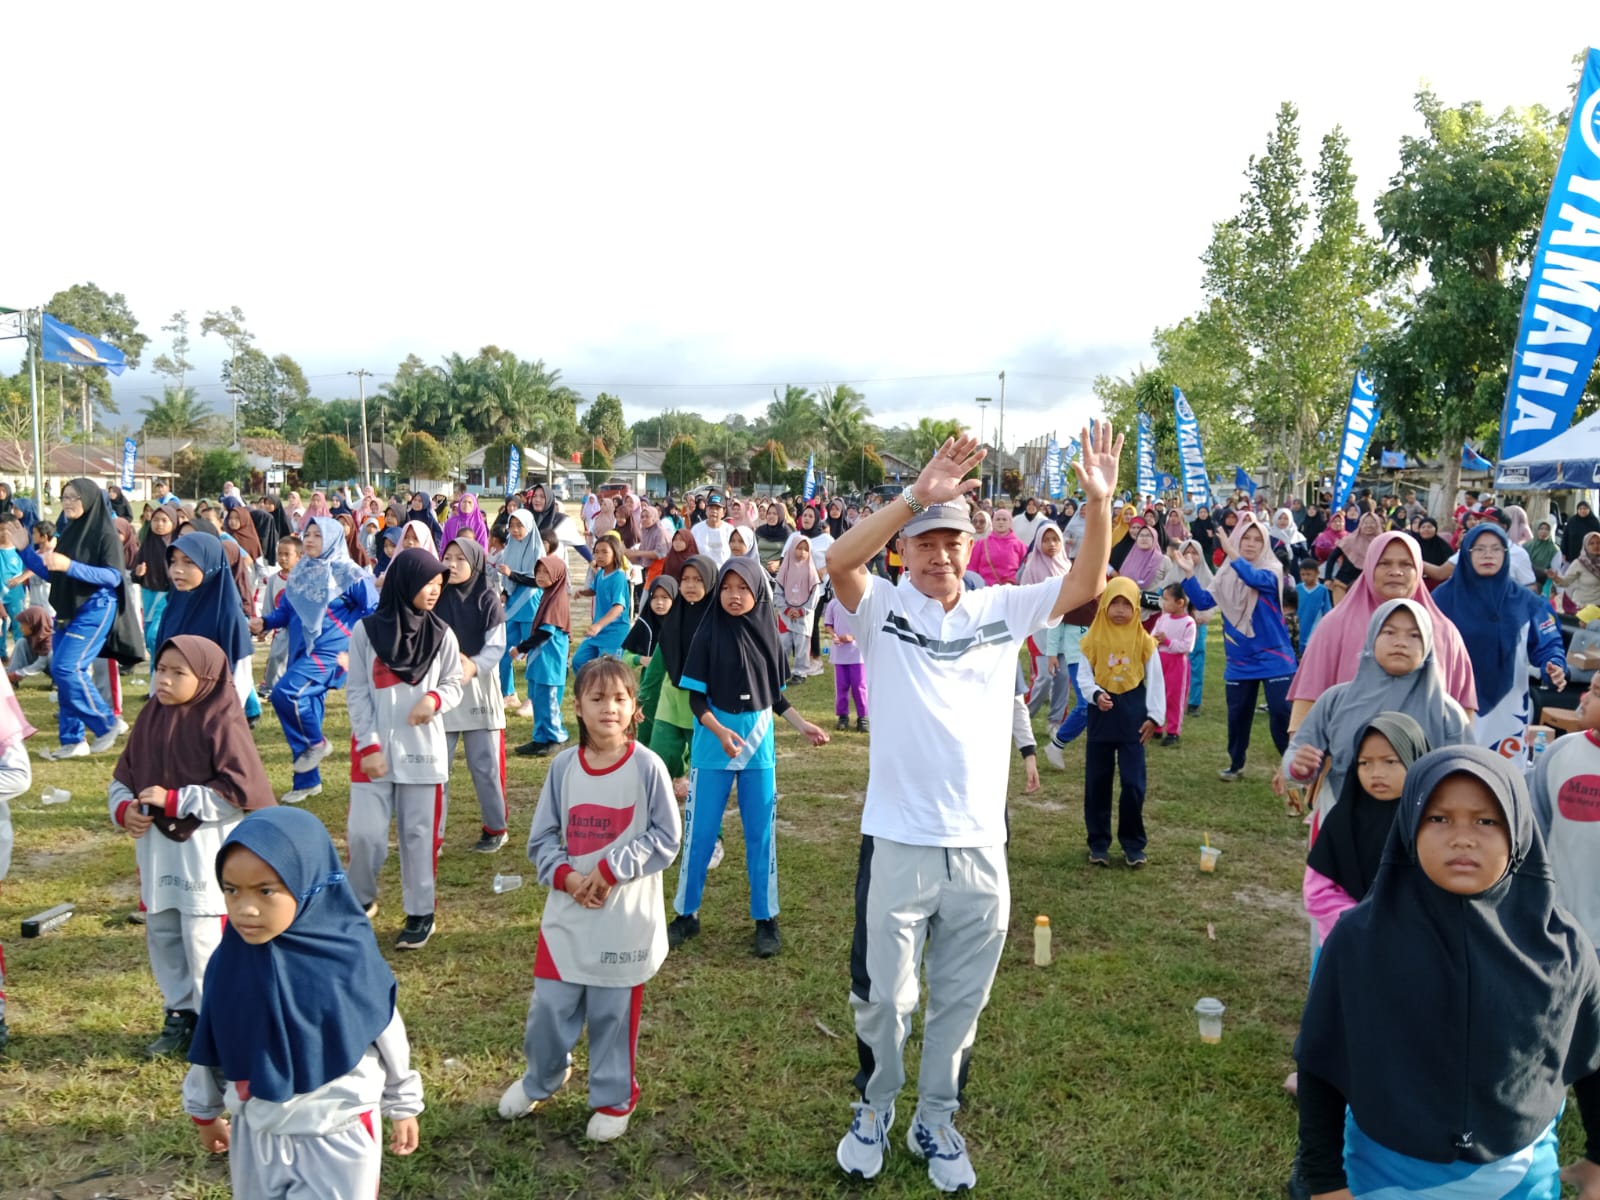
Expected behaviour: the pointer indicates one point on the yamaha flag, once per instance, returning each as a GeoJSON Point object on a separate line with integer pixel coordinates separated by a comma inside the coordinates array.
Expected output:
{"type": "Point", "coordinates": [130, 453]}
{"type": "Point", "coordinates": [811, 478]}
{"type": "Point", "coordinates": [1146, 457]}
{"type": "Point", "coordinates": [1560, 330]}
{"type": "Point", "coordinates": [1191, 456]}
{"type": "Point", "coordinates": [1360, 418]}
{"type": "Point", "coordinates": [513, 469]}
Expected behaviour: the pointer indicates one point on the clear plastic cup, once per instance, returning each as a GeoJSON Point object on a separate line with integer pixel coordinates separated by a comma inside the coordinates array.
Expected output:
{"type": "Point", "coordinates": [1210, 1011]}
{"type": "Point", "coordinates": [1208, 858]}
{"type": "Point", "coordinates": [506, 883]}
{"type": "Point", "coordinates": [55, 796]}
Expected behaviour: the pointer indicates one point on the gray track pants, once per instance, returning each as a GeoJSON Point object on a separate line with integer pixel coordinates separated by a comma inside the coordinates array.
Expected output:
{"type": "Point", "coordinates": [180, 947]}
{"type": "Point", "coordinates": [418, 810]}
{"type": "Point", "coordinates": [485, 752]}
{"type": "Point", "coordinates": [330, 1166]}
{"type": "Point", "coordinates": [556, 1017]}
{"type": "Point", "coordinates": [948, 906]}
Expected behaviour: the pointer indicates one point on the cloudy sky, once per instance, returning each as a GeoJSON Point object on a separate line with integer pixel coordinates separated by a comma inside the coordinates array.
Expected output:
{"type": "Point", "coordinates": [690, 204]}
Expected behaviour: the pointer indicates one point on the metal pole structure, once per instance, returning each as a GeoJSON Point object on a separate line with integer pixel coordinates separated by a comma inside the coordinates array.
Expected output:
{"type": "Point", "coordinates": [366, 447]}
{"type": "Point", "coordinates": [34, 350]}
{"type": "Point", "coordinates": [983, 408]}
{"type": "Point", "coordinates": [999, 466]}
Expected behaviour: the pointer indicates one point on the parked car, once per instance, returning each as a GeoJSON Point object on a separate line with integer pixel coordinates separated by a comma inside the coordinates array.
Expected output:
{"type": "Point", "coordinates": [558, 490]}
{"type": "Point", "coordinates": [610, 488]}
{"type": "Point", "coordinates": [577, 485]}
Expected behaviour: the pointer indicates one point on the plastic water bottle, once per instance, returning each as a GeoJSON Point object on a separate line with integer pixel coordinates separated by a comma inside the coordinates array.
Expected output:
{"type": "Point", "coordinates": [1041, 941]}
{"type": "Point", "coordinates": [1541, 743]}
{"type": "Point", "coordinates": [55, 796]}
{"type": "Point", "coordinates": [506, 883]}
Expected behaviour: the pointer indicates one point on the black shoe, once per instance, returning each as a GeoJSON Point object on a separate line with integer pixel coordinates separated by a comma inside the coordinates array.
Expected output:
{"type": "Point", "coordinates": [768, 940]}
{"type": "Point", "coordinates": [861, 725]}
{"type": "Point", "coordinates": [842, 724]}
{"type": "Point", "coordinates": [1194, 709]}
{"type": "Point", "coordinates": [1099, 858]}
{"type": "Point", "coordinates": [1170, 741]}
{"type": "Point", "coordinates": [489, 843]}
{"type": "Point", "coordinates": [682, 929]}
{"type": "Point", "coordinates": [794, 681]}
{"type": "Point", "coordinates": [533, 749]}
{"type": "Point", "coordinates": [176, 1034]}
{"type": "Point", "coordinates": [253, 721]}
{"type": "Point", "coordinates": [416, 933]}
{"type": "Point", "coordinates": [1231, 774]}
{"type": "Point", "coordinates": [1136, 860]}
{"type": "Point", "coordinates": [1297, 1188]}
{"type": "Point", "coordinates": [137, 917]}
{"type": "Point", "coordinates": [5, 1036]}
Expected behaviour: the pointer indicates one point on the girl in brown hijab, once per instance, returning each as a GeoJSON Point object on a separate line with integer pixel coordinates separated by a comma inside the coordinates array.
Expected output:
{"type": "Point", "coordinates": [186, 777]}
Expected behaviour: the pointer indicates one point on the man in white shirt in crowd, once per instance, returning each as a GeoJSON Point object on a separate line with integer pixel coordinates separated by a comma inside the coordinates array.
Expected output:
{"type": "Point", "coordinates": [932, 874]}
{"type": "Point", "coordinates": [711, 535]}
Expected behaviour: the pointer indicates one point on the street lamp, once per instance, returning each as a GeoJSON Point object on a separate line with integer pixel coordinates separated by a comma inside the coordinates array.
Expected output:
{"type": "Point", "coordinates": [983, 408]}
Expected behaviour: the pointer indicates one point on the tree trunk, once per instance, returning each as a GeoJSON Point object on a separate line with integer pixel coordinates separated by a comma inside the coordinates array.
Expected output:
{"type": "Point", "coordinates": [1451, 454]}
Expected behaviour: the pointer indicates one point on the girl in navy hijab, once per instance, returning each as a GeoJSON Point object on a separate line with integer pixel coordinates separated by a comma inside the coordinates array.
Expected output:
{"type": "Point", "coordinates": [300, 1043]}
{"type": "Point", "coordinates": [204, 602]}
{"type": "Point", "coordinates": [1506, 629]}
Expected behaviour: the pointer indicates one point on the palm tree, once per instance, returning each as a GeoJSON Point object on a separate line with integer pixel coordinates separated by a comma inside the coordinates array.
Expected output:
{"type": "Point", "coordinates": [792, 419]}
{"type": "Point", "coordinates": [922, 442]}
{"type": "Point", "coordinates": [842, 413]}
{"type": "Point", "coordinates": [177, 414]}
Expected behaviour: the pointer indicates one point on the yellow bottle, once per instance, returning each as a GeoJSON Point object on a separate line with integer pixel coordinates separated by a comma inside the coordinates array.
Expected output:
{"type": "Point", "coordinates": [1041, 941]}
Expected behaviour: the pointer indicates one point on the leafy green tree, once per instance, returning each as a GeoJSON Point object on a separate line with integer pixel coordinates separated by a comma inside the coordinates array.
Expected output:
{"type": "Point", "coordinates": [842, 414]}
{"type": "Point", "coordinates": [175, 365]}
{"type": "Point", "coordinates": [681, 466]}
{"type": "Point", "coordinates": [106, 316]}
{"type": "Point", "coordinates": [328, 457]}
{"type": "Point", "coordinates": [770, 462]}
{"type": "Point", "coordinates": [1462, 218]}
{"type": "Point", "coordinates": [922, 441]}
{"type": "Point", "coordinates": [422, 457]}
{"type": "Point", "coordinates": [1288, 304]}
{"type": "Point", "coordinates": [274, 392]}
{"type": "Point", "coordinates": [217, 467]}
{"type": "Point", "coordinates": [603, 419]}
{"type": "Point", "coordinates": [597, 460]}
{"type": "Point", "coordinates": [177, 413]}
{"type": "Point", "coordinates": [726, 443]}
{"type": "Point", "coordinates": [862, 470]}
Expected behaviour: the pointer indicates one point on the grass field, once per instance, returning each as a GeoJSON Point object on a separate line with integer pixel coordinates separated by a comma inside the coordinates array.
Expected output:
{"type": "Point", "coordinates": [1089, 1079]}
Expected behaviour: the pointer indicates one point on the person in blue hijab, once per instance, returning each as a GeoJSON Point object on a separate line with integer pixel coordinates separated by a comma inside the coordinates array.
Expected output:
{"type": "Point", "coordinates": [326, 595]}
{"type": "Point", "coordinates": [300, 1043]}
{"type": "Point", "coordinates": [204, 602]}
{"type": "Point", "coordinates": [1507, 630]}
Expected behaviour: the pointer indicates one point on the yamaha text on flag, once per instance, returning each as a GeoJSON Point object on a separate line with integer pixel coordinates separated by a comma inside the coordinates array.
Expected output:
{"type": "Point", "coordinates": [1560, 329]}
{"type": "Point", "coordinates": [1359, 420]}
{"type": "Point", "coordinates": [513, 469]}
{"type": "Point", "coordinates": [1191, 456]}
{"type": "Point", "coordinates": [1146, 456]}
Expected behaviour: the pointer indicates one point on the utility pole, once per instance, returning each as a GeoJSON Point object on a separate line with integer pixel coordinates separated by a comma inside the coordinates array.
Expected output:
{"type": "Point", "coordinates": [1001, 461]}
{"type": "Point", "coordinates": [366, 449]}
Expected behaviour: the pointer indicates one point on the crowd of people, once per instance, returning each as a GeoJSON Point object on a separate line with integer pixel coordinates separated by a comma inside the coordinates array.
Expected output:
{"type": "Point", "coordinates": [1400, 670]}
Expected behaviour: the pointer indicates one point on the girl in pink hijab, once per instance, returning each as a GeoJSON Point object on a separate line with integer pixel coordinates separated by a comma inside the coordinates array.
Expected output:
{"type": "Point", "coordinates": [317, 508]}
{"type": "Point", "coordinates": [1393, 571]}
{"type": "Point", "coordinates": [998, 557]}
{"type": "Point", "coordinates": [467, 519]}
{"type": "Point", "coordinates": [1145, 559]}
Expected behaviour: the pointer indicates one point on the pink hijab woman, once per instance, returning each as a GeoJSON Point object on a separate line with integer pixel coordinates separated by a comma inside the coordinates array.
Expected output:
{"type": "Point", "coordinates": [1393, 571]}
{"type": "Point", "coordinates": [998, 557]}
{"type": "Point", "coordinates": [317, 508]}
{"type": "Point", "coordinates": [1144, 560]}
{"type": "Point", "coordinates": [467, 520]}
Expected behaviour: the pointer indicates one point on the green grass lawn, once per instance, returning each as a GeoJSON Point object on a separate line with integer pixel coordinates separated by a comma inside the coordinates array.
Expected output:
{"type": "Point", "coordinates": [1089, 1079]}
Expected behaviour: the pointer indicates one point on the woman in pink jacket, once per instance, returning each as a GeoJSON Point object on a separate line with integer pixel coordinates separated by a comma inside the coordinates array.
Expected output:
{"type": "Point", "coordinates": [998, 557]}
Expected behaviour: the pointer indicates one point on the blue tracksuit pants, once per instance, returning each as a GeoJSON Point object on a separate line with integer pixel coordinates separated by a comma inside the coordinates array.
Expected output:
{"type": "Point", "coordinates": [299, 698]}
{"type": "Point", "coordinates": [73, 651]}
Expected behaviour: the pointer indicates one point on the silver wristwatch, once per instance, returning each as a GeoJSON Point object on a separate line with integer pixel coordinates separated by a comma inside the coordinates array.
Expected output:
{"type": "Point", "coordinates": [917, 508]}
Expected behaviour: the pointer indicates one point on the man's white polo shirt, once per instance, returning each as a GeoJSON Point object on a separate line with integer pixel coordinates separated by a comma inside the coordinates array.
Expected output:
{"type": "Point", "coordinates": [713, 543]}
{"type": "Point", "coordinates": [941, 685]}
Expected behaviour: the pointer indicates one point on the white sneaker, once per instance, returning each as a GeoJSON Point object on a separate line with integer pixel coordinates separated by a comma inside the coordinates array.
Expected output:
{"type": "Point", "coordinates": [515, 1103]}
{"type": "Point", "coordinates": [105, 743]}
{"type": "Point", "coordinates": [313, 756]}
{"type": "Point", "coordinates": [603, 1127]}
{"type": "Point", "coordinates": [526, 710]}
{"type": "Point", "coordinates": [1053, 753]}
{"type": "Point", "coordinates": [55, 696]}
{"type": "Point", "coordinates": [862, 1148]}
{"type": "Point", "coordinates": [62, 753]}
{"type": "Point", "coordinates": [120, 728]}
{"type": "Point", "coordinates": [949, 1168]}
{"type": "Point", "coordinates": [716, 856]}
{"type": "Point", "coordinates": [301, 795]}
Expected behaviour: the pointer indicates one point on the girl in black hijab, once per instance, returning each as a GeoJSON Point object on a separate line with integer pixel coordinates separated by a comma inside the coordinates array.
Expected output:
{"type": "Point", "coordinates": [734, 676]}
{"type": "Point", "coordinates": [94, 619]}
{"type": "Point", "coordinates": [641, 648]}
{"type": "Point", "coordinates": [1582, 523]}
{"type": "Point", "coordinates": [1451, 1009]}
{"type": "Point", "coordinates": [119, 503]}
{"type": "Point", "coordinates": [421, 510]}
{"type": "Point", "coordinates": [673, 717]}
{"type": "Point", "coordinates": [469, 604]}
{"type": "Point", "coordinates": [1344, 859]}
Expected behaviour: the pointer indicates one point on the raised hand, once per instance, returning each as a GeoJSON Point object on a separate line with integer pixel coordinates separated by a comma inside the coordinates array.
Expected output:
{"type": "Point", "coordinates": [941, 479]}
{"type": "Point", "coordinates": [1097, 463]}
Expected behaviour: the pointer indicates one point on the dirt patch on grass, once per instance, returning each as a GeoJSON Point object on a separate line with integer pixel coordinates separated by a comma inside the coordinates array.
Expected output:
{"type": "Point", "coordinates": [1255, 896]}
{"type": "Point", "coordinates": [106, 1185]}
{"type": "Point", "coordinates": [68, 847]}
